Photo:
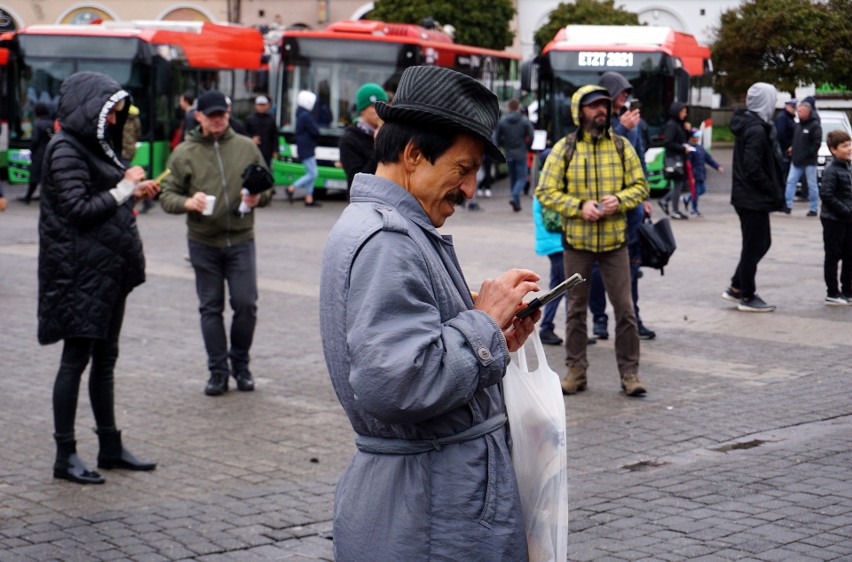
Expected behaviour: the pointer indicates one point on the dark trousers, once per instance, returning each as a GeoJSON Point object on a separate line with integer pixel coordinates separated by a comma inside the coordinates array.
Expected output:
{"type": "Point", "coordinates": [837, 240]}
{"type": "Point", "coordinates": [757, 238]}
{"type": "Point", "coordinates": [615, 270]}
{"type": "Point", "coordinates": [557, 276]}
{"type": "Point", "coordinates": [673, 195]}
{"type": "Point", "coordinates": [76, 354]}
{"type": "Point", "coordinates": [214, 266]}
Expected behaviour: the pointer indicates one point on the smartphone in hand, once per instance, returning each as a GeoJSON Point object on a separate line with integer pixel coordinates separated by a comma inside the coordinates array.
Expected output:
{"type": "Point", "coordinates": [554, 293]}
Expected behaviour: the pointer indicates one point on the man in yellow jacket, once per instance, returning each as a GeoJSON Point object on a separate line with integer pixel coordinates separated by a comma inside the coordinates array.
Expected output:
{"type": "Point", "coordinates": [592, 178]}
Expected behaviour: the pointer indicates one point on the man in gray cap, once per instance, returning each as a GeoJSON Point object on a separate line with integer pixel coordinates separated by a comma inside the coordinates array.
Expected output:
{"type": "Point", "coordinates": [415, 360]}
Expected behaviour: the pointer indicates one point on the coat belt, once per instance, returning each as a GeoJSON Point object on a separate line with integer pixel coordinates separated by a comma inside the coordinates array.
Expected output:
{"type": "Point", "coordinates": [385, 446]}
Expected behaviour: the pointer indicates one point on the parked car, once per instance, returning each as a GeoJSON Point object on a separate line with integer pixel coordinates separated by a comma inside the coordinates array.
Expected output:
{"type": "Point", "coordinates": [830, 121]}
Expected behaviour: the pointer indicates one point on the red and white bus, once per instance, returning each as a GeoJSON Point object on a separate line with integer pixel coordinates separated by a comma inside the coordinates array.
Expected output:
{"type": "Point", "coordinates": [154, 60]}
{"type": "Point", "coordinates": [662, 65]}
{"type": "Point", "coordinates": [334, 62]}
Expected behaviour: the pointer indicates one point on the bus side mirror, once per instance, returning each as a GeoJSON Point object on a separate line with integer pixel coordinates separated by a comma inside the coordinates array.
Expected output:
{"type": "Point", "coordinates": [529, 70]}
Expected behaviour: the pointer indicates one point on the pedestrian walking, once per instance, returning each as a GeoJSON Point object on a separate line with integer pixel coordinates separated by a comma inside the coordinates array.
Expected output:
{"type": "Point", "coordinates": [90, 259]}
{"type": "Point", "coordinates": [307, 134]}
{"type": "Point", "coordinates": [260, 126]}
{"type": "Point", "coordinates": [785, 123]}
{"type": "Point", "coordinates": [515, 134]}
{"type": "Point", "coordinates": [675, 142]}
{"type": "Point", "coordinates": [836, 217]}
{"type": "Point", "coordinates": [698, 159]}
{"type": "Point", "coordinates": [220, 237]}
{"type": "Point", "coordinates": [594, 211]}
{"type": "Point", "coordinates": [43, 130]}
{"type": "Point", "coordinates": [757, 189]}
{"type": "Point", "coordinates": [807, 138]}
{"type": "Point", "coordinates": [415, 362]}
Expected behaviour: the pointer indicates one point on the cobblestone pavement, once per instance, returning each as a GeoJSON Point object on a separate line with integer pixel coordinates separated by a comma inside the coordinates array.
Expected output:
{"type": "Point", "coordinates": [740, 451]}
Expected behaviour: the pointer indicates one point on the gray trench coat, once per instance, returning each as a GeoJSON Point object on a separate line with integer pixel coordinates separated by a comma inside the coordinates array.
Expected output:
{"type": "Point", "coordinates": [409, 359]}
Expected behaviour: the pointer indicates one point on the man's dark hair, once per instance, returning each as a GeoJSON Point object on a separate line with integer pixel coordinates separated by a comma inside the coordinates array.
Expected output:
{"type": "Point", "coordinates": [394, 137]}
{"type": "Point", "coordinates": [41, 110]}
{"type": "Point", "coordinates": [189, 96]}
{"type": "Point", "coordinates": [836, 138]}
{"type": "Point", "coordinates": [514, 104]}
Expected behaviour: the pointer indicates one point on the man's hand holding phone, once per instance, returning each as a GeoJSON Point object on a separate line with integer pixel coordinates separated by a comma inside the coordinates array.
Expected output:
{"type": "Point", "coordinates": [501, 298]}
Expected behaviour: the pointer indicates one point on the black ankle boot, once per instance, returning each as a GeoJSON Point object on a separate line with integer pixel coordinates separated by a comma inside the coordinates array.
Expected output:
{"type": "Point", "coordinates": [113, 454]}
{"type": "Point", "coordinates": [69, 466]}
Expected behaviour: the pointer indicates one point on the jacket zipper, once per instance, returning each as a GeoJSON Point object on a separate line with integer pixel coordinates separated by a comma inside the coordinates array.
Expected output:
{"type": "Point", "coordinates": [225, 191]}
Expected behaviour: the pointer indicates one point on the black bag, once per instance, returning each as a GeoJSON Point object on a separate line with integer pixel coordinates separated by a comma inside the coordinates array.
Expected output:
{"type": "Point", "coordinates": [673, 167]}
{"type": "Point", "coordinates": [256, 179]}
{"type": "Point", "coordinates": [656, 243]}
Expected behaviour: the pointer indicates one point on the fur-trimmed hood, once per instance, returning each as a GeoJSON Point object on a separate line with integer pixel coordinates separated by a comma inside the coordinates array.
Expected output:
{"type": "Point", "coordinates": [86, 98]}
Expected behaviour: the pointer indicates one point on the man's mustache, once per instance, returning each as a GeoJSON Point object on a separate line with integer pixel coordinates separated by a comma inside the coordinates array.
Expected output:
{"type": "Point", "coordinates": [456, 197]}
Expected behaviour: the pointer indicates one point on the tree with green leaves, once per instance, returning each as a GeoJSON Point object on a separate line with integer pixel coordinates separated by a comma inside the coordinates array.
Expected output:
{"type": "Point", "coordinates": [835, 44]}
{"type": "Point", "coordinates": [773, 41]}
{"type": "Point", "coordinates": [481, 23]}
{"type": "Point", "coordinates": [582, 12]}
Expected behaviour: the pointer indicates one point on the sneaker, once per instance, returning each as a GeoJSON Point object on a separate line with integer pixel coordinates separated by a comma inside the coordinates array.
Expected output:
{"type": "Point", "coordinates": [645, 333]}
{"type": "Point", "coordinates": [837, 301]}
{"type": "Point", "coordinates": [686, 200]}
{"type": "Point", "coordinates": [480, 193]}
{"type": "Point", "coordinates": [787, 210]}
{"type": "Point", "coordinates": [695, 213]}
{"type": "Point", "coordinates": [473, 206]}
{"type": "Point", "coordinates": [732, 295]}
{"type": "Point", "coordinates": [848, 297]}
{"type": "Point", "coordinates": [574, 381]}
{"type": "Point", "coordinates": [487, 192]}
{"type": "Point", "coordinates": [548, 337]}
{"type": "Point", "coordinates": [678, 216]}
{"type": "Point", "coordinates": [664, 206]}
{"type": "Point", "coordinates": [631, 385]}
{"type": "Point", "coordinates": [811, 214]}
{"type": "Point", "coordinates": [755, 304]}
{"type": "Point", "coordinates": [599, 330]}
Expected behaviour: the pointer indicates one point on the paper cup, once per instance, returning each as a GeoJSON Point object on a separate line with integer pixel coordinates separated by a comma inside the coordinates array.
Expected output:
{"type": "Point", "coordinates": [210, 203]}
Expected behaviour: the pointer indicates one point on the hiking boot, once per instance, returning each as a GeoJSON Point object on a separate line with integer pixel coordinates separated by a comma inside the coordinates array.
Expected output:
{"type": "Point", "coordinates": [732, 295]}
{"type": "Point", "coordinates": [631, 385]}
{"type": "Point", "coordinates": [574, 381]}
{"type": "Point", "coordinates": [548, 337]}
{"type": "Point", "coordinates": [599, 330]}
{"type": "Point", "coordinates": [755, 304]}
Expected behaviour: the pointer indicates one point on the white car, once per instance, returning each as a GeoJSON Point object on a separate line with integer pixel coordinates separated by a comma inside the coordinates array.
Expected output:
{"type": "Point", "coordinates": [830, 121]}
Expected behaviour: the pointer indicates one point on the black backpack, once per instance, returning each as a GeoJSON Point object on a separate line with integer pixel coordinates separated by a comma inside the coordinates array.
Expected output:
{"type": "Point", "coordinates": [656, 243]}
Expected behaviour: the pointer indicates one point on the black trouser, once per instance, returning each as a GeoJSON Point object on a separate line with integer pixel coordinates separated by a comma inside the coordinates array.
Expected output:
{"type": "Point", "coordinates": [213, 267]}
{"type": "Point", "coordinates": [757, 238]}
{"type": "Point", "coordinates": [837, 239]}
{"type": "Point", "coordinates": [673, 195]}
{"type": "Point", "coordinates": [76, 354]}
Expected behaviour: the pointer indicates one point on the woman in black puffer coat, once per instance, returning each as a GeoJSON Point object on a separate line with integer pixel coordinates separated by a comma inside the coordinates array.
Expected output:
{"type": "Point", "coordinates": [90, 258]}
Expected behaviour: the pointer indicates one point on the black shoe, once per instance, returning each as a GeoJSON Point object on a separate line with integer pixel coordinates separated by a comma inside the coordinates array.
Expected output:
{"type": "Point", "coordinates": [550, 338]}
{"type": "Point", "coordinates": [645, 333]}
{"type": "Point", "coordinates": [515, 206]}
{"type": "Point", "coordinates": [72, 468]}
{"type": "Point", "coordinates": [244, 380]}
{"type": "Point", "coordinates": [217, 385]}
{"type": "Point", "coordinates": [24, 199]}
{"type": "Point", "coordinates": [599, 331]}
{"type": "Point", "coordinates": [787, 210]}
{"type": "Point", "coordinates": [755, 304]}
{"type": "Point", "coordinates": [732, 295]}
{"type": "Point", "coordinates": [664, 206]}
{"type": "Point", "coordinates": [112, 453]}
{"type": "Point", "coordinates": [473, 207]}
{"type": "Point", "coordinates": [812, 213]}
{"type": "Point", "coordinates": [313, 203]}
{"type": "Point", "coordinates": [291, 191]}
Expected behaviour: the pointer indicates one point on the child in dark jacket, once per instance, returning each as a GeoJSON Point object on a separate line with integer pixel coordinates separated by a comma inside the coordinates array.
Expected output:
{"type": "Point", "coordinates": [836, 217]}
{"type": "Point", "coordinates": [698, 158]}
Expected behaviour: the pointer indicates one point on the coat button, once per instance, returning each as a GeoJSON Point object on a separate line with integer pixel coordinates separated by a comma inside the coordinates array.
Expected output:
{"type": "Point", "coordinates": [484, 353]}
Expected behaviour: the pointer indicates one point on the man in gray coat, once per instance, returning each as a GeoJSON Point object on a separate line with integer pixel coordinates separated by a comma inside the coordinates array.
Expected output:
{"type": "Point", "coordinates": [415, 359]}
{"type": "Point", "coordinates": [515, 134]}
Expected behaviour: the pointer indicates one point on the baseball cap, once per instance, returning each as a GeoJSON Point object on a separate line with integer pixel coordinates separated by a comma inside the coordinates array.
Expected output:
{"type": "Point", "coordinates": [594, 96]}
{"type": "Point", "coordinates": [368, 94]}
{"type": "Point", "coordinates": [212, 102]}
{"type": "Point", "coordinates": [261, 100]}
{"type": "Point", "coordinates": [791, 101]}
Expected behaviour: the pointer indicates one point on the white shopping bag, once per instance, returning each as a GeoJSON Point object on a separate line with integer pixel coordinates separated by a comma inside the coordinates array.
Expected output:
{"type": "Point", "coordinates": [539, 453]}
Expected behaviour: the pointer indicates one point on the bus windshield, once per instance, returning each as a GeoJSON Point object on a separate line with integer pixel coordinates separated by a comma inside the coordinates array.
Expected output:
{"type": "Point", "coordinates": [334, 70]}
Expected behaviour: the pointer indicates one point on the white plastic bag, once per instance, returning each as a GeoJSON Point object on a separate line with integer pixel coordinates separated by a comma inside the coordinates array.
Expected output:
{"type": "Point", "coordinates": [536, 413]}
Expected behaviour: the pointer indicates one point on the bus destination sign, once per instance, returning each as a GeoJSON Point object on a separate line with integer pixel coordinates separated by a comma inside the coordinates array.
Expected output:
{"type": "Point", "coordinates": [607, 59]}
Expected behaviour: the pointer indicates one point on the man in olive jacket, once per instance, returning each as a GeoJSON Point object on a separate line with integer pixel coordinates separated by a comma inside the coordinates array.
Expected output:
{"type": "Point", "coordinates": [210, 162]}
